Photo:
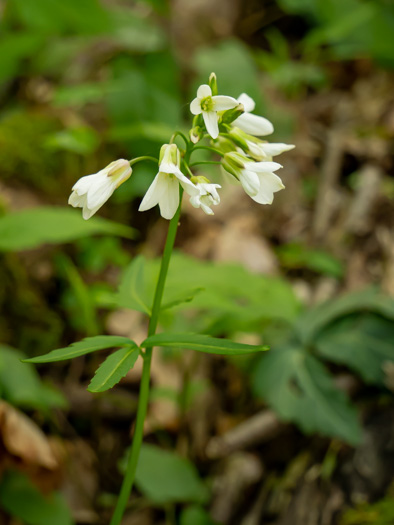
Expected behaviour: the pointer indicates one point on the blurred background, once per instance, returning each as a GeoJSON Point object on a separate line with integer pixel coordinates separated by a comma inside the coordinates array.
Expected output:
{"type": "Point", "coordinates": [303, 435]}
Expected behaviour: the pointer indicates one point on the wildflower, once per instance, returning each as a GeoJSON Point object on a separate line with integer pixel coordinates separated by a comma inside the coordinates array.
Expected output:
{"type": "Point", "coordinates": [209, 105]}
{"type": "Point", "coordinates": [208, 195]}
{"type": "Point", "coordinates": [256, 148]}
{"type": "Point", "coordinates": [164, 189]}
{"type": "Point", "coordinates": [252, 124]}
{"type": "Point", "coordinates": [92, 191]}
{"type": "Point", "coordinates": [257, 178]}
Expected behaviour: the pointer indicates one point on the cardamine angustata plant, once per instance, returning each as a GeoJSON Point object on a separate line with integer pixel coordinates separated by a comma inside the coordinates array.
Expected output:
{"type": "Point", "coordinates": [228, 128]}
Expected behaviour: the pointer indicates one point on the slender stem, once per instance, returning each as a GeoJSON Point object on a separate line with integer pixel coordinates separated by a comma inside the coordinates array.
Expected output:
{"type": "Point", "coordinates": [140, 159]}
{"type": "Point", "coordinates": [143, 399]}
{"type": "Point", "coordinates": [209, 148]}
{"type": "Point", "coordinates": [204, 162]}
{"type": "Point", "coordinates": [179, 134]}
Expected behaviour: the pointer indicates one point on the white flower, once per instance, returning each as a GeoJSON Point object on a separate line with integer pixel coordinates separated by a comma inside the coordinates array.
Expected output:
{"type": "Point", "coordinates": [256, 148]}
{"type": "Point", "coordinates": [257, 178]}
{"type": "Point", "coordinates": [209, 105]}
{"type": "Point", "coordinates": [252, 124]}
{"type": "Point", "coordinates": [208, 195]}
{"type": "Point", "coordinates": [92, 191]}
{"type": "Point", "coordinates": [164, 190]}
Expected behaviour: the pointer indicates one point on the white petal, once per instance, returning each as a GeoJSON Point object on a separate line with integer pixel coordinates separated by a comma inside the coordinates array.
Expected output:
{"type": "Point", "coordinates": [262, 167]}
{"type": "Point", "coordinates": [88, 212]}
{"type": "Point", "coordinates": [169, 200]}
{"type": "Point", "coordinates": [250, 182]}
{"type": "Point", "coordinates": [98, 194]}
{"type": "Point", "coordinates": [222, 102]}
{"type": "Point", "coordinates": [206, 209]}
{"type": "Point", "coordinates": [77, 201]}
{"type": "Point", "coordinates": [204, 91]}
{"type": "Point", "coordinates": [254, 124]}
{"type": "Point", "coordinates": [190, 188]}
{"type": "Point", "coordinates": [195, 106]}
{"type": "Point", "coordinates": [269, 184]}
{"type": "Point", "coordinates": [84, 183]}
{"type": "Point", "coordinates": [247, 102]}
{"type": "Point", "coordinates": [211, 123]}
{"type": "Point", "coordinates": [195, 201]}
{"type": "Point", "coordinates": [276, 149]}
{"type": "Point", "coordinates": [154, 193]}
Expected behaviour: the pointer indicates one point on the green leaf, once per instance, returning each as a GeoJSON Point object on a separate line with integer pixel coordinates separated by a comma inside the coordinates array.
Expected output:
{"type": "Point", "coordinates": [165, 477]}
{"type": "Point", "coordinates": [369, 300]}
{"type": "Point", "coordinates": [195, 515]}
{"type": "Point", "coordinates": [114, 368]}
{"type": "Point", "coordinates": [298, 256]}
{"type": "Point", "coordinates": [21, 385]}
{"type": "Point", "coordinates": [86, 346]}
{"type": "Point", "coordinates": [202, 343]}
{"type": "Point", "coordinates": [30, 228]}
{"type": "Point", "coordinates": [132, 291]}
{"type": "Point", "coordinates": [22, 500]}
{"type": "Point", "coordinates": [185, 297]}
{"type": "Point", "coordinates": [363, 342]}
{"type": "Point", "coordinates": [299, 388]}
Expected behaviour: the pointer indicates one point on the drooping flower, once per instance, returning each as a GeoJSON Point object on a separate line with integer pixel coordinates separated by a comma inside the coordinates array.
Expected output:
{"type": "Point", "coordinates": [164, 189]}
{"type": "Point", "coordinates": [257, 178]}
{"type": "Point", "coordinates": [252, 124]}
{"type": "Point", "coordinates": [92, 191]}
{"type": "Point", "coordinates": [208, 195]}
{"type": "Point", "coordinates": [209, 105]}
{"type": "Point", "coordinates": [256, 148]}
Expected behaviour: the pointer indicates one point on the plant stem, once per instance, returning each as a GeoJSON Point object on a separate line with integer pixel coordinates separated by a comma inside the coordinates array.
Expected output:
{"type": "Point", "coordinates": [140, 159]}
{"type": "Point", "coordinates": [143, 399]}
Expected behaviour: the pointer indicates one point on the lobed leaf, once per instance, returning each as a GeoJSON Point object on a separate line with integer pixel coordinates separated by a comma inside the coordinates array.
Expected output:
{"type": "Point", "coordinates": [86, 346]}
{"type": "Point", "coordinates": [114, 368]}
{"type": "Point", "coordinates": [202, 343]}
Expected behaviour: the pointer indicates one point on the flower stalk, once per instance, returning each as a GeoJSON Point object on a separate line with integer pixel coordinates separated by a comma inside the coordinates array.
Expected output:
{"type": "Point", "coordinates": [143, 399]}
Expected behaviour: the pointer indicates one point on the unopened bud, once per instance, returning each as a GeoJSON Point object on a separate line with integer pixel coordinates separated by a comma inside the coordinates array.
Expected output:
{"type": "Point", "coordinates": [213, 84]}
{"type": "Point", "coordinates": [196, 134]}
{"type": "Point", "coordinates": [231, 114]}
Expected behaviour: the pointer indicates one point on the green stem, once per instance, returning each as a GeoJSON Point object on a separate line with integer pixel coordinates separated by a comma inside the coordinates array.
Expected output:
{"type": "Point", "coordinates": [204, 162]}
{"type": "Point", "coordinates": [140, 159]}
{"type": "Point", "coordinates": [179, 134]}
{"type": "Point", "coordinates": [209, 148]}
{"type": "Point", "coordinates": [143, 399]}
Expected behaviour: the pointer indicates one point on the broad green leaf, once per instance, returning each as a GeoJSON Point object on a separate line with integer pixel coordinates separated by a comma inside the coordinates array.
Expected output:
{"type": "Point", "coordinates": [185, 297]}
{"type": "Point", "coordinates": [132, 291]}
{"type": "Point", "coordinates": [363, 342]}
{"type": "Point", "coordinates": [195, 515]}
{"type": "Point", "coordinates": [31, 228]}
{"type": "Point", "coordinates": [202, 343]}
{"type": "Point", "coordinates": [22, 500]}
{"type": "Point", "coordinates": [86, 346]}
{"type": "Point", "coordinates": [165, 477]}
{"type": "Point", "coordinates": [21, 385]}
{"type": "Point", "coordinates": [114, 368]}
{"type": "Point", "coordinates": [369, 300]}
{"type": "Point", "coordinates": [298, 256]}
{"type": "Point", "coordinates": [299, 388]}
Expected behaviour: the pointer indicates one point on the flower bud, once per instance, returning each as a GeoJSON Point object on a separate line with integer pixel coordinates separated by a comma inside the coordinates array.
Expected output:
{"type": "Point", "coordinates": [213, 84]}
{"type": "Point", "coordinates": [231, 114]}
{"type": "Point", "coordinates": [169, 154]}
{"type": "Point", "coordinates": [196, 134]}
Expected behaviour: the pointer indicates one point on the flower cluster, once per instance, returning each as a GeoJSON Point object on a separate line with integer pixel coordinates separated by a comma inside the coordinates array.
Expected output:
{"type": "Point", "coordinates": [234, 133]}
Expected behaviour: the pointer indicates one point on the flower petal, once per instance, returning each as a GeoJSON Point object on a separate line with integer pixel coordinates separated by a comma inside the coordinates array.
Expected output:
{"type": "Point", "coordinates": [169, 200]}
{"type": "Point", "coordinates": [204, 91]}
{"type": "Point", "coordinates": [77, 201]}
{"type": "Point", "coordinates": [254, 124]}
{"type": "Point", "coordinates": [88, 212]}
{"type": "Point", "coordinates": [269, 184]}
{"type": "Point", "coordinates": [221, 102]}
{"type": "Point", "coordinates": [247, 102]}
{"type": "Point", "coordinates": [190, 188]}
{"type": "Point", "coordinates": [84, 183]}
{"type": "Point", "coordinates": [100, 192]}
{"type": "Point", "coordinates": [195, 106]}
{"type": "Point", "coordinates": [262, 167]}
{"type": "Point", "coordinates": [276, 149]}
{"type": "Point", "coordinates": [250, 182]}
{"type": "Point", "coordinates": [211, 123]}
{"type": "Point", "coordinates": [154, 193]}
